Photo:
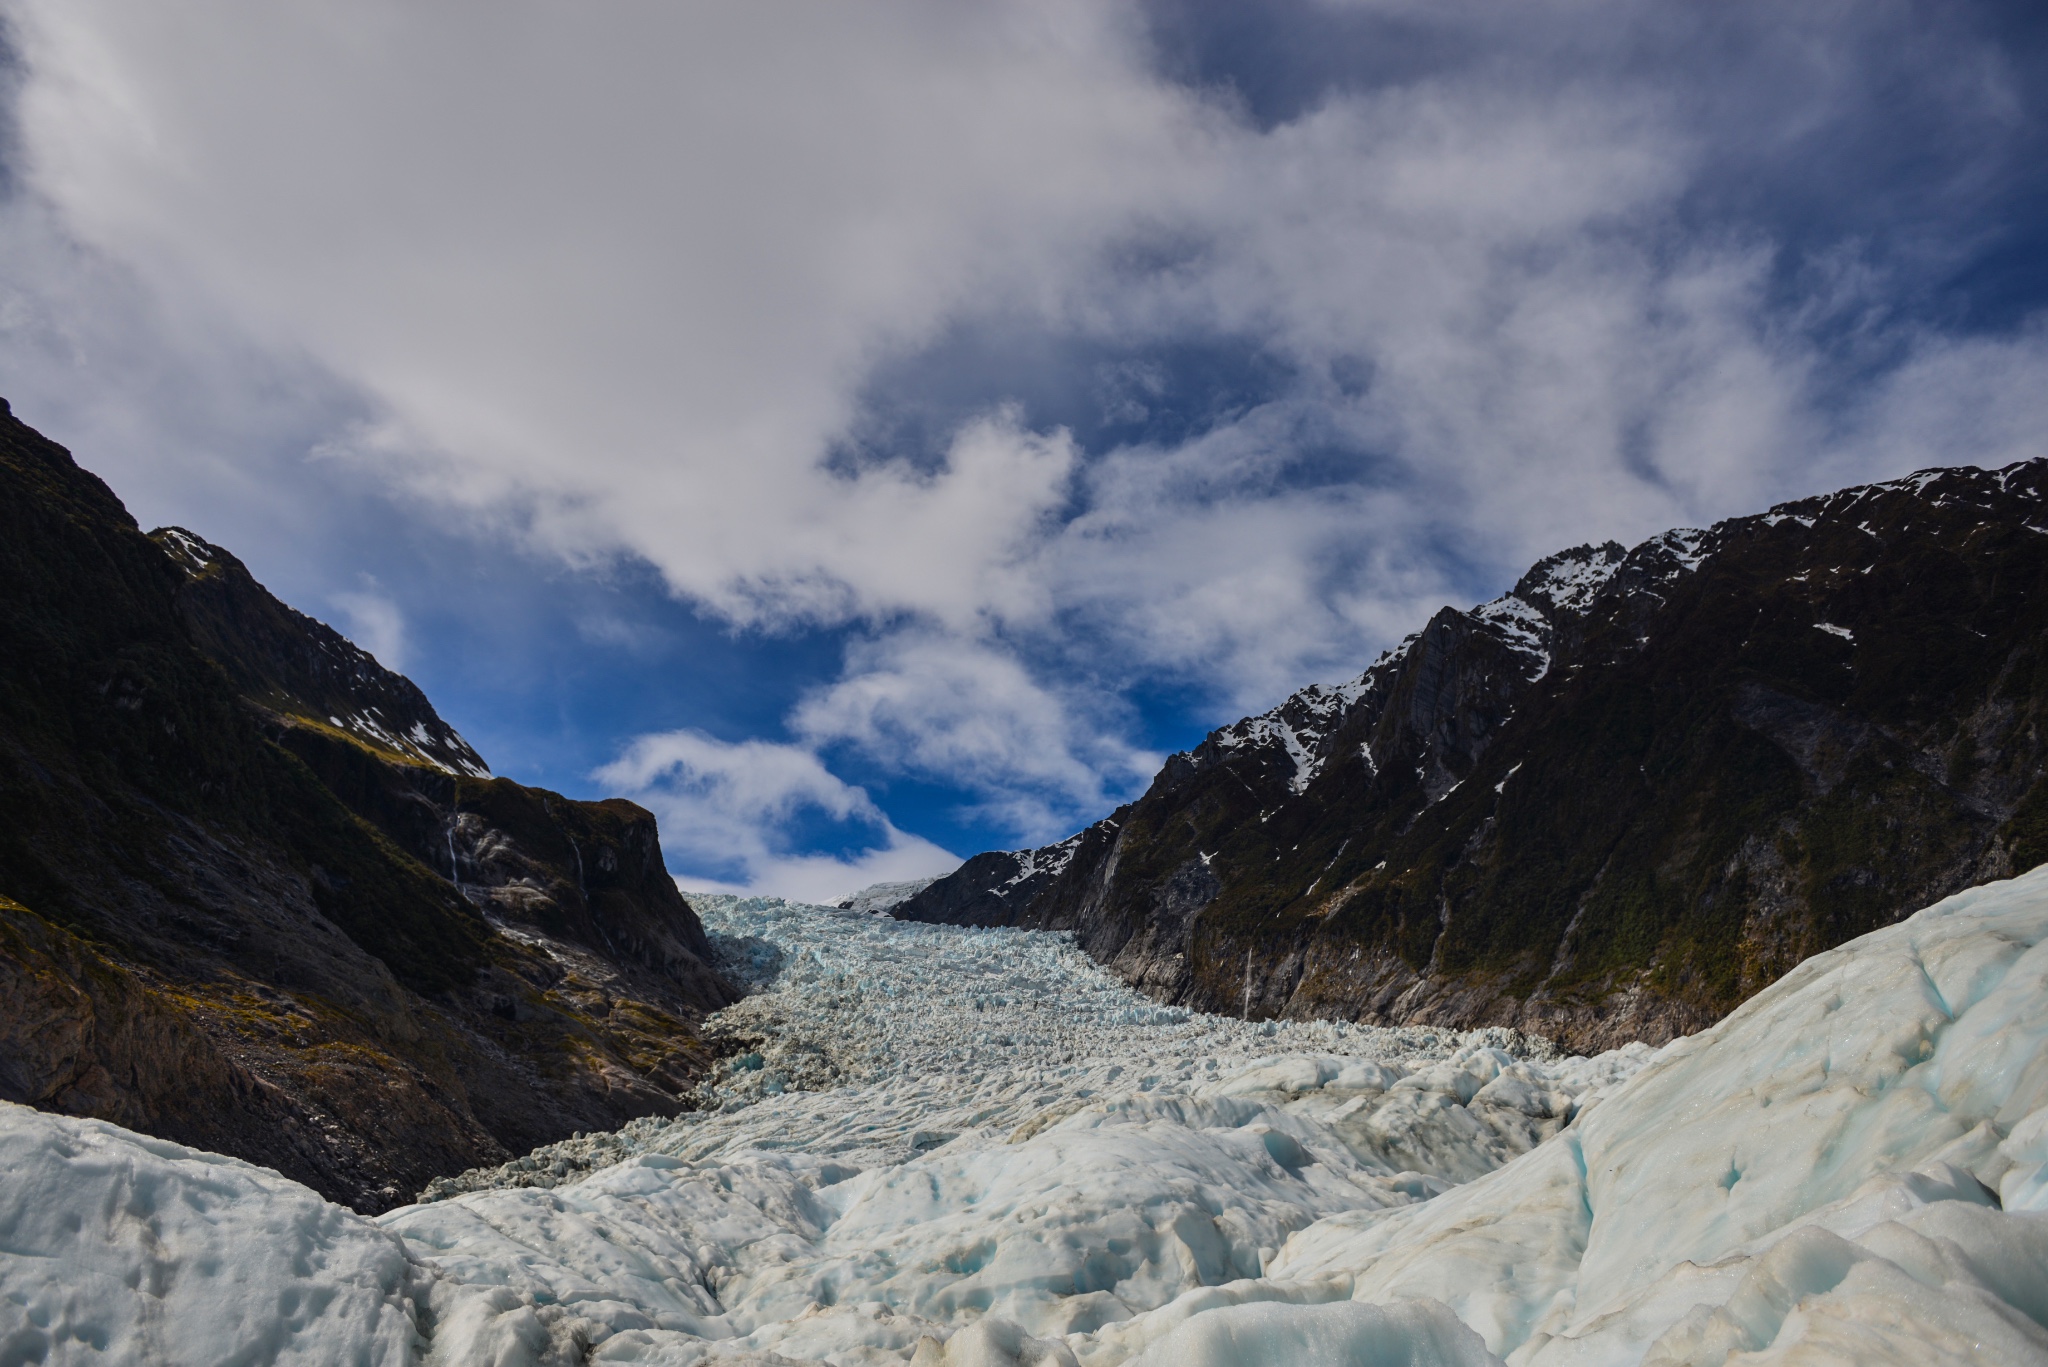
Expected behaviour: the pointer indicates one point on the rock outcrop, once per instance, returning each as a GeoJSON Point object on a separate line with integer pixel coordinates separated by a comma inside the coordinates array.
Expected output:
{"type": "Point", "coordinates": [1611, 804]}
{"type": "Point", "coordinates": [255, 895]}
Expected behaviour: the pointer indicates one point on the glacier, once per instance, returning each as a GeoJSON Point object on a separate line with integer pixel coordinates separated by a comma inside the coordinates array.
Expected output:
{"type": "Point", "coordinates": [944, 1146]}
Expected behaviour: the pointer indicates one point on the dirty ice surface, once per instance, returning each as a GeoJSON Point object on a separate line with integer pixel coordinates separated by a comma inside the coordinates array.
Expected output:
{"type": "Point", "coordinates": [1851, 1169]}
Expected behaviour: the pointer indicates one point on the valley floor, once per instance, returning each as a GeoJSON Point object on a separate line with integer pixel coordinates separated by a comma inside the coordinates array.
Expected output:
{"type": "Point", "coordinates": [938, 1145]}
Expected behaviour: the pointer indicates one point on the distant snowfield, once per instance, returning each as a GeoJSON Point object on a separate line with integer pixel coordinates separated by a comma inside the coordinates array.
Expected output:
{"type": "Point", "coordinates": [1004, 1157]}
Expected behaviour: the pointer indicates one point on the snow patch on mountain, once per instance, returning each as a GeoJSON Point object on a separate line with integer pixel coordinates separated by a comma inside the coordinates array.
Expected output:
{"type": "Point", "coordinates": [1570, 580]}
{"type": "Point", "coordinates": [193, 555]}
{"type": "Point", "coordinates": [1688, 546]}
{"type": "Point", "coordinates": [441, 747]}
{"type": "Point", "coordinates": [1048, 861]}
{"type": "Point", "coordinates": [1300, 728]}
{"type": "Point", "coordinates": [1523, 628]}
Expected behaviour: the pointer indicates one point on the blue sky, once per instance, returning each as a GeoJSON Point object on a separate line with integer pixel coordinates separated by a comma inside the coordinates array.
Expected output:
{"type": "Point", "coordinates": [870, 435]}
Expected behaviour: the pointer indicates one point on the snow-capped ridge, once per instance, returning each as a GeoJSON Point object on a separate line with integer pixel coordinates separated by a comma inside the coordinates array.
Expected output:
{"type": "Point", "coordinates": [1948, 483]}
{"type": "Point", "coordinates": [1276, 810]}
{"type": "Point", "coordinates": [1046, 861]}
{"type": "Point", "coordinates": [296, 665]}
{"type": "Point", "coordinates": [1569, 580]}
{"type": "Point", "coordinates": [1300, 727]}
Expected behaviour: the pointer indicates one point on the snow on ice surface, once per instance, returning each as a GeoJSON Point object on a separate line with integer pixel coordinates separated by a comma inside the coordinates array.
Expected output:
{"type": "Point", "coordinates": [1817, 1179]}
{"type": "Point", "coordinates": [883, 1039]}
{"type": "Point", "coordinates": [116, 1248]}
{"type": "Point", "coordinates": [1817, 1176]}
{"type": "Point", "coordinates": [1007, 1134]}
{"type": "Point", "coordinates": [876, 898]}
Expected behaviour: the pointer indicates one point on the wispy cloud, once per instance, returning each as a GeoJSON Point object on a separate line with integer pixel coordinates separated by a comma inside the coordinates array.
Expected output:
{"type": "Point", "coordinates": [730, 812]}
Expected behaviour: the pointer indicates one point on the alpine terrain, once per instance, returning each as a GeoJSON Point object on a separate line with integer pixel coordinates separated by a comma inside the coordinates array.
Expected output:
{"type": "Point", "coordinates": [272, 936]}
{"type": "Point", "coordinates": [958, 1147]}
{"type": "Point", "coordinates": [255, 895]}
{"type": "Point", "coordinates": [1611, 804]}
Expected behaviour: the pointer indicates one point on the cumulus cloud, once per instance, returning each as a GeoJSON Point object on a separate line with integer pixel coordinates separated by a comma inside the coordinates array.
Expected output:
{"type": "Point", "coordinates": [635, 281]}
{"type": "Point", "coordinates": [931, 705]}
{"type": "Point", "coordinates": [727, 814]}
{"type": "Point", "coordinates": [614, 272]}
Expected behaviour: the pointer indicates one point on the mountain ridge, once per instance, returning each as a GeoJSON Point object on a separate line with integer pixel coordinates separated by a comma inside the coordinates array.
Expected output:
{"type": "Point", "coordinates": [294, 665]}
{"type": "Point", "coordinates": [256, 895]}
{"type": "Point", "coordinates": [1832, 707]}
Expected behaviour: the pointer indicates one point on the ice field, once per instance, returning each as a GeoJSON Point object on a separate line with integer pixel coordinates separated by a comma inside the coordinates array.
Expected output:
{"type": "Point", "coordinates": [942, 1146]}
{"type": "Point", "coordinates": [882, 1040]}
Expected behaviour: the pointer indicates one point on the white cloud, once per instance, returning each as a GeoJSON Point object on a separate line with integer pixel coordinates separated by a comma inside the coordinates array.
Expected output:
{"type": "Point", "coordinates": [1986, 395]}
{"type": "Point", "coordinates": [970, 714]}
{"type": "Point", "coordinates": [617, 270]}
{"type": "Point", "coordinates": [376, 624]}
{"type": "Point", "coordinates": [727, 810]}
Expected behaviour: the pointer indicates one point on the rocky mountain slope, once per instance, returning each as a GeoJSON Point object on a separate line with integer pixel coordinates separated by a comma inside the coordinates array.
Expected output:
{"type": "Point", "coordinates": [256, 895]}
{"type": "Point", "coordinates": [1611, 804]}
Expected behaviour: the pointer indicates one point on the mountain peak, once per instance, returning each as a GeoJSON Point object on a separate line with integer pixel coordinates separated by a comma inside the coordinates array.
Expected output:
{"type": "Point", "coordinates": [303, 669]}
{"type": "Point", "coordinates": [1568, 580]}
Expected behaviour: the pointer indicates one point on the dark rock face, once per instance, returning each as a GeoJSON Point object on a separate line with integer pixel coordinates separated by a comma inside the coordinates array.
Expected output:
{"type": "Point", "coordinates": [1611, 804]}
{"type": "Point", "coordinates": [288, 663]}
{"type": "Point", "coordinates": [256, 895]}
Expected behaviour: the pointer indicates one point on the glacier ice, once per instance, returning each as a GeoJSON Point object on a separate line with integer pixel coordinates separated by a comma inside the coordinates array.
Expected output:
{"type": "Point", "coordinates": [881, 1040]}
{"type": "Point", "coordinates": [1878, 1088]}
{"type": "Point", "coordinates": [947, 1147]}
{"type": "Point", "coordinates": [118, 1248]}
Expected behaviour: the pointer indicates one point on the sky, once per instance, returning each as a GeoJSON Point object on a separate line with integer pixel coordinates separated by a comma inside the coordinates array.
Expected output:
{"type": "Point", "coordinates": [871, 434]}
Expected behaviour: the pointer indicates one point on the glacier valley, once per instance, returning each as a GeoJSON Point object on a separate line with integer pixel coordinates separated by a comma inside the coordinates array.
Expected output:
{"type": "Point", "coordinates": [975, 1148]}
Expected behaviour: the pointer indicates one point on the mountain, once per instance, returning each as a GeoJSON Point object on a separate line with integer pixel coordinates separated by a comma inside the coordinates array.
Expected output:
{"type": "Point", "coordinates": [1614, 802]}
{"type": "Point", "coordinates": [256, 895]}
